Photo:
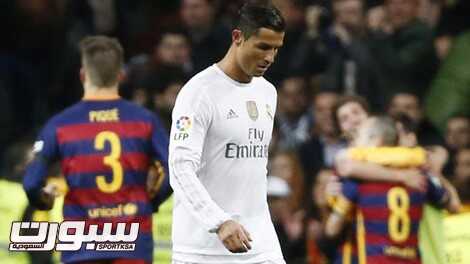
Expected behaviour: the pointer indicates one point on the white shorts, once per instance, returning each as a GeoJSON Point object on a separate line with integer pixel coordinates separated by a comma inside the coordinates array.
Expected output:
{"type": "Point", "coordinates": [278, 261]}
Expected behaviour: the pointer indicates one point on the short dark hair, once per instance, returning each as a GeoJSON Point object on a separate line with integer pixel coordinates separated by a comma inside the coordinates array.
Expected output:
{"type": "Point", "coordinates": [103, 59]}
{"type": "Point", "coordinates": [256, 14]}
{"type": "Point", "coordinates": [345, 100]}
{"type": "Point", "coordinates": [406, 93]}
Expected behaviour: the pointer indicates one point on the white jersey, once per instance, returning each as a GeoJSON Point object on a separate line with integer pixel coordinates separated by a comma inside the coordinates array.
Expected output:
{"type": "Point", "coordinates": [218, 156]}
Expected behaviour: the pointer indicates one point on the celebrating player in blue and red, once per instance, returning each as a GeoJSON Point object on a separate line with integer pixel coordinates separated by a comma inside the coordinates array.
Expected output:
{"type": "Point", "coordinates": [387, 214]}
{"type": "Point", "coordinates": [106, 146]}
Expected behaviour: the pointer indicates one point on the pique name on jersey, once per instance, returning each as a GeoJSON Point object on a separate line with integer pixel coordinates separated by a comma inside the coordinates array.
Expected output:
{"type": "Point", "coordinates": [108, 115]}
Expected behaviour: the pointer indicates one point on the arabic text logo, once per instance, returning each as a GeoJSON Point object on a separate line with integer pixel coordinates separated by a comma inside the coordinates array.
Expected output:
{"type": "Point", "coordinates": [71, 235]}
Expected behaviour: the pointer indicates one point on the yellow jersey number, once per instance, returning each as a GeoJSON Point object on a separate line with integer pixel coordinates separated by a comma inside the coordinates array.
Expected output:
{"type": "Point", "coordinates": [398, 202]}
{"type": "Point", "coordinates": [112, 160]}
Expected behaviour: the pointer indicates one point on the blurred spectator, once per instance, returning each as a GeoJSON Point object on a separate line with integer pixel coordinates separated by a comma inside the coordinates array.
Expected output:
{"type": "Point", "coordinates": [289, 226]}
{"type": "Point", "coordinates": [208, 39]}
{"type": "Point", "coordinates": [317, 217]}
{"type": "Point", "coordinates": [6, 118]}
{"type": "Point", "coordinates": [286, 165]}
{"type": "Point", "coordinates": [410, 105]}
{"type": "Point", "coordinates": [170, 60]}
{"type": "Point", "coordinates": [462, 174]}
{"type": "Point", "coordinates": [164, 100]}
{"type": "Point", "coordinates": [352, 69]}
{"type": "Point", "coordinates": [294, 120]}
{"type": "Point", "coordinates": [325, 142]}
{"type": "Point", "coordinates": [458, 132]}
{"type": "Point", "coordinates": [13, 201]}
{"type": "Point", "coordinates": [403, 48]}
{"type": "Point", "coordinates": [309, 55]}
{"type": "Point", "coordinates": [457, 137]}
{"type": "Point", "coordinates": [450, 92]}
{"type": "Point", "coordinates": [294, 18]}
{"type": "Point", "coordinates": [34, 35]}
{"type": "Point", "coordinates": [173, 49]}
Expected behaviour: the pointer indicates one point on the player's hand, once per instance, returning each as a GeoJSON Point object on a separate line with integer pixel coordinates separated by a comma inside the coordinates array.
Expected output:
{"type": "Point", "coordinates": [154, 179]}
{"type": "Point", "coordinates": [413, 179]}
{"type": "Point", "coordinates": [234, 237]}
{"type": "Point", "coordinates": [333, 186]}
{"type": "Point", "coordinates": [48, 195]}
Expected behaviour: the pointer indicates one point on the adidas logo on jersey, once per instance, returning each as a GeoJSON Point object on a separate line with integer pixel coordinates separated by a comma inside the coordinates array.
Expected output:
{"type": "Point", "coordinates": [231, 114]}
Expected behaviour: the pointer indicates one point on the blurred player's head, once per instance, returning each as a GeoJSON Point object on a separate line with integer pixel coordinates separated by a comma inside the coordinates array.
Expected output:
{"type": "Point", "coordinates": [458, 132]}
{"type": "Point", "coordinates": [349, 113]}
{"type": "Point", "coordinates": [406, 129]}
{"type": "Point", "coordinates": [102, 61]}
{"type": "Point", "coordinates": [257, 37]}
{"type": "Point", "coordinates": [377, 131]}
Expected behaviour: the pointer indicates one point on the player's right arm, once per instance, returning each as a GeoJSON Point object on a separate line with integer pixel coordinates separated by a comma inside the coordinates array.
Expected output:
{"type": "Point", "coordinates": [192, 116]}
{"type": "Point", "coordinates": [45, 152]}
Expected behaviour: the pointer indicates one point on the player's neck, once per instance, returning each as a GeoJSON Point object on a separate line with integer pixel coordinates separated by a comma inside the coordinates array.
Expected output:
{"type": "Point", "coordinates": [230, 67]}
{"type": "Point", "coordinates": [100, 93]}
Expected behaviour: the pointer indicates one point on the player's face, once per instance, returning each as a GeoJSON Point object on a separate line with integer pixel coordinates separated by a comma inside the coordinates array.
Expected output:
{"type": "Point", "coordinates": [350, 116]}
{"type": "Point", "coordinates": [363, 137]}
{"type": "Point", "coordinates": [258, 52]}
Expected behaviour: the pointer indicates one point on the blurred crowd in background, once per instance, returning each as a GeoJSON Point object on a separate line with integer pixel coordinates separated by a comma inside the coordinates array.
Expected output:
{"type": "Point", "coordinates": [402, 56]}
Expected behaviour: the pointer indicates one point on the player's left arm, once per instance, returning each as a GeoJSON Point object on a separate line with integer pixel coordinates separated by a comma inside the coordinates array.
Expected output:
{"type": "Point", "coordinates": [341, 209]}
{"type": "Point", "coordinates": [158, 183]}
{"type": "Point", "coordinates": [45, 152]}
{"type": "Point", "coordinates": [441, 193]}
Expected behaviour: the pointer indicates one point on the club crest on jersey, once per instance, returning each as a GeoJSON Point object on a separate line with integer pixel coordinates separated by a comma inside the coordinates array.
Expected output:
{"type": "Point", "coordinates": [252, 110]}
{"type": "Point", "coordinates": [183, 126]}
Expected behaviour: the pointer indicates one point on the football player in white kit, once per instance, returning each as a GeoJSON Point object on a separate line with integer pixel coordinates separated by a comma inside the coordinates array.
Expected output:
{"type": "Point", "coordinates": [221, 130]}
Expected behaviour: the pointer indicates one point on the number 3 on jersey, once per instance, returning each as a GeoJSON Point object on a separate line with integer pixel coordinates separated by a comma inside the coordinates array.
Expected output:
{"type": "Point", "coordinates": [112, 160]}
{"type": "Point", "coordinates": [399, 220]}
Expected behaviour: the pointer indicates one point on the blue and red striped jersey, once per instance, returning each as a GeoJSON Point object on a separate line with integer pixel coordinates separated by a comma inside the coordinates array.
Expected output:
{"type": "Point", "coordinates": [388, 217]}
{"type": "Point", "coordinates": [105, 149]}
